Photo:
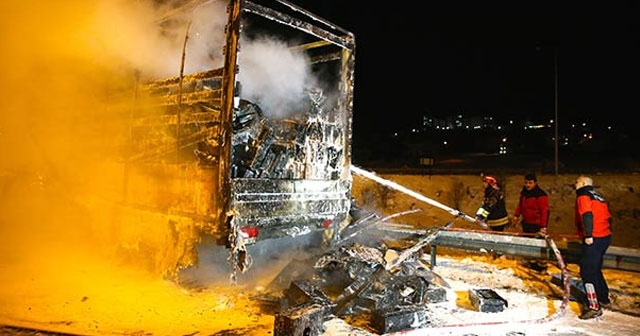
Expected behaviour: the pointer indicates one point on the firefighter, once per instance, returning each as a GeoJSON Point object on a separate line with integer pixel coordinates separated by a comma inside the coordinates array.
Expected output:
{"type": "Point", "coordinates": [493, 210]}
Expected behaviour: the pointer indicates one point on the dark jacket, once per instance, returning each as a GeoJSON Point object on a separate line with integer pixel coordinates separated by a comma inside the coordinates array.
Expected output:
{"type": "Point", "coordinates": [592, 218]}
{"type": "Point", "coordinates": [533, 206]}
{"type": "Point", "coordinates": [493, 208]}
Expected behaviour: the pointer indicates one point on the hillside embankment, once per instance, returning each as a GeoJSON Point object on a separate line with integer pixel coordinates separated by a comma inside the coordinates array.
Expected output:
{"type": "Point", "coordinates": [464, 193]}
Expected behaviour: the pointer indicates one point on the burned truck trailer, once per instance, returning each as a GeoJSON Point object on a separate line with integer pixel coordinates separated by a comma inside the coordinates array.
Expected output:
{"type": "Point", "coordinates": [255, 149]}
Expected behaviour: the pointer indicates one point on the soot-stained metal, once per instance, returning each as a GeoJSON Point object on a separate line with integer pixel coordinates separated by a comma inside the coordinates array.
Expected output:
{"type": "Point", "coordinates": [270, 176]}
{"type": "Point", "coordinates": [352, 281]}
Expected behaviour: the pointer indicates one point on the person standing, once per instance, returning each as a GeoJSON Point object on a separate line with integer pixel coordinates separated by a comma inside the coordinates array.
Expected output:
{"type": "Point", "coordinates": [493, 210]}
{"type": "Point", "coordinates": [533, 206]}
{"type": "Point", "coordinates": [593, 223]}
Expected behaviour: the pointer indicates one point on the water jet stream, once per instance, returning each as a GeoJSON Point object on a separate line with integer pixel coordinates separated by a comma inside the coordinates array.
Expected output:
{"type": "Point", "coordinates": [391, 184]}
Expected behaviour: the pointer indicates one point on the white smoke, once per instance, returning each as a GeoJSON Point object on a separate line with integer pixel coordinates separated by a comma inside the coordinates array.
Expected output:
{"type": "Point", "coordinates": [274, 76]}
{"type": "Point", "coordinates": [150, 38]}
{"type": "Point", "coordinates": [64, 62]}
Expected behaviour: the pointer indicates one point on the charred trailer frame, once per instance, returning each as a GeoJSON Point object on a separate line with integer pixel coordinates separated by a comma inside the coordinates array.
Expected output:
{"type": "Point", "coordinates": [227, 166]}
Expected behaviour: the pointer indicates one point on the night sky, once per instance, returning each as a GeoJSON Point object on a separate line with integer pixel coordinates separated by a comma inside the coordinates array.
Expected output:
{"type": "Point", "coordinates": [489, 60]}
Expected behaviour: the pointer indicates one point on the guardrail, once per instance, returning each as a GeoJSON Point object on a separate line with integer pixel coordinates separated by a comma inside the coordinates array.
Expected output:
{"type": "Point", "coordinates": [529, 246]}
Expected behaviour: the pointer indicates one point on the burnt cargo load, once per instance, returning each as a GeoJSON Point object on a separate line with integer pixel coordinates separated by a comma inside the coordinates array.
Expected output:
{"type": "Point", "coordinates": [251, 150]}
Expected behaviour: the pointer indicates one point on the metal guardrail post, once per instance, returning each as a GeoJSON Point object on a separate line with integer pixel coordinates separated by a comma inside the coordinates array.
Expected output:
{"type": "Point", "coordinates": [434, 251]}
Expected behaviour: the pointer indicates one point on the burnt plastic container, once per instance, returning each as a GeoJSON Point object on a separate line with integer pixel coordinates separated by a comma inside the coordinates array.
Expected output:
{"type": "Point", "coordinates": [487, 300]}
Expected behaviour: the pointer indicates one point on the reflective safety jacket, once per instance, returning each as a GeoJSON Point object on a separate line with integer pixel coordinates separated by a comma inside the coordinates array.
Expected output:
{"type": "Point", "coordinates": [493, 208]}
{"type": "Point", "coordinates": [592, 216]}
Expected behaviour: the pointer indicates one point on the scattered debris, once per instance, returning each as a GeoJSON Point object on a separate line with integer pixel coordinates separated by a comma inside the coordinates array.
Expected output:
{"type": "Point", "coordinates": [355, 281]}
{"type": "Point", "coordinates": [487, 300]}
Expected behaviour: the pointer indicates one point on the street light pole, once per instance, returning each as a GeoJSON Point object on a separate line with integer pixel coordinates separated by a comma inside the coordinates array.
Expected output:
{"type": "Point", "coordinates": [555, 75]}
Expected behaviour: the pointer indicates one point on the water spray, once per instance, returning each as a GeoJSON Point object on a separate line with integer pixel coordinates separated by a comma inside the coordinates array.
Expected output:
{"type": "Point", "coordinates": [374, 177]}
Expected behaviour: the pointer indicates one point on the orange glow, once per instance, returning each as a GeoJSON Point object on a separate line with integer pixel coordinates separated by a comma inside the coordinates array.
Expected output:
{"type": "Point", "coordinates": [80, 294]}
{"type": "Point", "coordinates": [72, 261]}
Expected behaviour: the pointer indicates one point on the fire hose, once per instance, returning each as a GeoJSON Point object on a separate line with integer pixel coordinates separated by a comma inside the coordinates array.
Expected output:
{"type": "Point", "coordinates": [559, 313]}
{"type": "Point", "coordinates": [374, 177]}
{"type": "Point", "coordinates": [565, 274]}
